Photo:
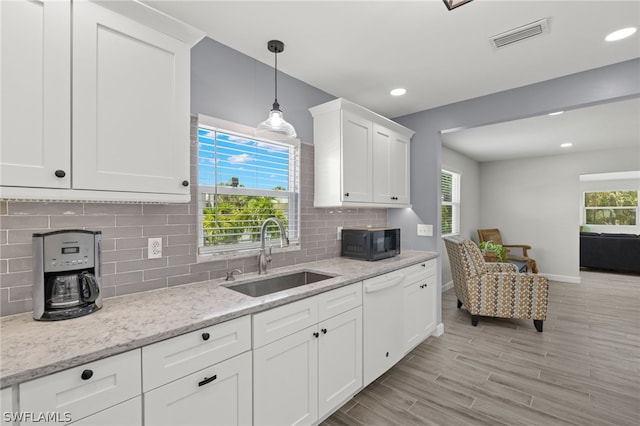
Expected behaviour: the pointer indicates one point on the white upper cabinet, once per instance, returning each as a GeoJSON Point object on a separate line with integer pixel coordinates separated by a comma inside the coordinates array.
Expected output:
{"type": "Point", "coordinates": [108, 115]}
{"type": "Point", "coordinates": [35, 138]}
{"type": "Point", "coordinates": [361, 158]}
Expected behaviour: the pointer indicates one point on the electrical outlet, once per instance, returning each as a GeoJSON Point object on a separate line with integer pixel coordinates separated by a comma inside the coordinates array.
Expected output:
{"type": "Point", "coordinates": [425, 230]}
{"type": "Point", "coordinates": [339, 235]}
{"type": "Point", "coordinates": [154, 248]}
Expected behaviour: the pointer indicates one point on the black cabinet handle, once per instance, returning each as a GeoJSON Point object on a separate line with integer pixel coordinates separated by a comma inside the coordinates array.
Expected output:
{"type": "Point", "coordinates": [205, 336]}
{"type": "Point", "coordinates": [394, 198]}
{"type": "Point", "coordinates": [387, 355]}
{"type": "Point", "coordinates": [86, 374]}
{"type": "Point", "coordinates": [324, 331]}
{"type": "Point", "coordinates": [316, 334]}
{"type": "Point", "coordinates": [60, 173]}
{"type": "Point", "coordinates": [346, 194]}
{"type": "Point", "coordinates": [185, 183]}
{"type": "Point", "coordinates": [424, 265]}
{"type": "Point", "coordinates": [208, 380]}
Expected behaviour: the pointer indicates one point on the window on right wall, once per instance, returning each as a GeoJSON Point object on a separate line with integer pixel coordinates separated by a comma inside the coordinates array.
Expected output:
{"type": "Point", "coordinates": [450, 189]}
{"type": "Point", "coordinates": [617, 208]}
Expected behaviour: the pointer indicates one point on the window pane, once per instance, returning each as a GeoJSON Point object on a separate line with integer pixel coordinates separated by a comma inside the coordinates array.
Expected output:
{"type": "Point", "coordinates": [611, 216]}
{"type": "Point", "coordinates": [611, 199]}
{"type": "Point", "coordinates": [447, 219]}
{"type": "Point", "coordinates": [447, 187]}
{"type": "Point", "coordinates": [230, 160]}
{"type": "Point", "coordinates": [236, 219]}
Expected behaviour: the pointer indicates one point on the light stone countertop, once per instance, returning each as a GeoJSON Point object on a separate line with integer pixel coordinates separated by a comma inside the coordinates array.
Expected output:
{"type": "Point", "coordinates": [31, 349]}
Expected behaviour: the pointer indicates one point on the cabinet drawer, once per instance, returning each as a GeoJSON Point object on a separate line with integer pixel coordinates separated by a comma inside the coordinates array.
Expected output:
{"type": "Point", "coordinates": [284, 320]}
{"type": "Point", "coordinates": [217, 395]}
{"type": "Point", "coordinates": [128, 413]}
{"type": "Point", "coordinates": [179, 356]}
{"type": "Point", "coordinates": [112, 380]}
{"type": "Point", "coordinates": [419, 272]}
{"type": "Point", "coordinates": [340, 300]}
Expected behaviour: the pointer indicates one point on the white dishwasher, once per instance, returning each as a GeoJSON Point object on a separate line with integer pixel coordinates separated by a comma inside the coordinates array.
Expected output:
{"type": "Point", "coordinates": [383, 322]}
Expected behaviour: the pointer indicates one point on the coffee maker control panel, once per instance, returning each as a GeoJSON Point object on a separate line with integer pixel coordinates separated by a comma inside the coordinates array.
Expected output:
{"type": "Point", "coordinates": [68, 251]}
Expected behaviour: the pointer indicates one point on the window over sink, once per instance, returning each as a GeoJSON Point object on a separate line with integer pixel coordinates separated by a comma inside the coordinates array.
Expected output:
{"type": "Point", "coordinates": [243, 180]}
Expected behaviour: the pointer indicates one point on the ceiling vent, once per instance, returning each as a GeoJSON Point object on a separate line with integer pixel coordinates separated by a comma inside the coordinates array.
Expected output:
{"type": "Point", "coordinates": [521, 33]}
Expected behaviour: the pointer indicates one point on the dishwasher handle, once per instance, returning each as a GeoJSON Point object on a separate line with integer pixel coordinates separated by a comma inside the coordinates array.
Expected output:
{"type": "Point", "coordinates": [372, 288]}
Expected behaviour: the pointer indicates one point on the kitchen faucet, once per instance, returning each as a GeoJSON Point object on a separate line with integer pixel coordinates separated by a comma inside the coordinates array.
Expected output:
{"type": "Point", "coordinates": [263, 258]}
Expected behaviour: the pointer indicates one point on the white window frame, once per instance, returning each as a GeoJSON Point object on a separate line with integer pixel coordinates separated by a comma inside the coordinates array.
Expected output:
{"type": "Point", "coordinates": [456, 179]}
{"type": "Point", "coordinates": [293, 227]}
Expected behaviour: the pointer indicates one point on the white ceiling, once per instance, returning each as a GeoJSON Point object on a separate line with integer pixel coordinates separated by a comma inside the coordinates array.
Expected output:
{"type": "Point", "coordinates": [360, 50]}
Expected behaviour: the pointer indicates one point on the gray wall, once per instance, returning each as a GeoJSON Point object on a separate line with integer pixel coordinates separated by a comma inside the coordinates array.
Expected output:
{"type": "Point", "coordinates": [591, 87]}
{"type": "Point", "coordinates": [227, 85]}
{"type": "Point", "coordinates": [537, 202]}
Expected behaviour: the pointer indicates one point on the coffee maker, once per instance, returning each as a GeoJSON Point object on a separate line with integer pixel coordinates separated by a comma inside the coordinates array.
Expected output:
{"type": "Point", "coordinates": [67, 274]}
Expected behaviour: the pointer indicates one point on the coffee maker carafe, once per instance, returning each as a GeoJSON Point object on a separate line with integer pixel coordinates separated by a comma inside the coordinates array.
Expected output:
{"type": "Point", "coordinates": [67, 274]}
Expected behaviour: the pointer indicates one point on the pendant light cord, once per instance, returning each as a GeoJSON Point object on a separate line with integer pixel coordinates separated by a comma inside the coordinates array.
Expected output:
{"type": "Point", "coordinates": [276, 80]}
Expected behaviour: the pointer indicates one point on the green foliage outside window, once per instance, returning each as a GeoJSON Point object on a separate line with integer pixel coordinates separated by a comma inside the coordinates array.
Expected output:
{"type": "Point", "coordinates": [611, 208]}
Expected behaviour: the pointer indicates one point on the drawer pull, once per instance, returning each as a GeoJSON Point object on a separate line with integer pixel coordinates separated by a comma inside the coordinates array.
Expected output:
{"type": "Point", "coordinates": [60, 173]}
{"type": "Point", "coordinates": [208, 380]}
{"type": "Point", "coordinates": [205, 336]}
{"type": "Point", "coordinates": [324, 331]}
{"type": "Point", "coordinates": [86, 374]}
{"type": "Point", "coordinates": [316, 334]}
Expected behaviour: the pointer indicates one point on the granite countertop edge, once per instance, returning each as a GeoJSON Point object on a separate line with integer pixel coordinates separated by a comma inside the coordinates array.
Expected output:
{"type": "Point", "coordinates": [31, 349]}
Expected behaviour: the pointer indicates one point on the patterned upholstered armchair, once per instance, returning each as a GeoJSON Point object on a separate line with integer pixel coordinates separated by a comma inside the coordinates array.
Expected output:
{"type": "Point", "coordinates": [495, 289]}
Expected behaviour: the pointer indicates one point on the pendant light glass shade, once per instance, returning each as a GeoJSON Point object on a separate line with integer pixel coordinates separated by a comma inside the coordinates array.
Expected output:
{"type": "Point", "coordinates": [275, 126]}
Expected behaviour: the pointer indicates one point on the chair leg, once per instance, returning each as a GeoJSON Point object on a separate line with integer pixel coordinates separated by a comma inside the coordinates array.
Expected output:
{"type": "Point", "coordinates": [538, 325]}
{"type": "Point", "coordinates": [459, 304]}
{"type": "Point", "coordinates": [474, 320]}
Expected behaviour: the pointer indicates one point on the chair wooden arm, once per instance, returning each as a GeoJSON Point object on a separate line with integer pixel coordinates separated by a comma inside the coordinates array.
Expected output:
{"type": "Point", "coordinates": [524, 248]}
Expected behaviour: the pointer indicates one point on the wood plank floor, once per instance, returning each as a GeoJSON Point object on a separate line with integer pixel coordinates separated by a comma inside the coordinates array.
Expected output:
{"type": "Point", "coordinates": [584, 369]}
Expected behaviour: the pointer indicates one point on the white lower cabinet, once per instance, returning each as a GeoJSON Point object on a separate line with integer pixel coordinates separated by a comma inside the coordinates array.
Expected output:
{"type": "Point", "coordinates": [218, 395]}
{"type": "Point", "coordinates": [339, 360]}
{"type": "Point", "coordinates": [285, 380]}
{"type": "Point", "coordinates": [420, 292]}
{"type": "Point", "coordinates": [80, 392]}
{"type": "Point", "coordinates": [304, 376]}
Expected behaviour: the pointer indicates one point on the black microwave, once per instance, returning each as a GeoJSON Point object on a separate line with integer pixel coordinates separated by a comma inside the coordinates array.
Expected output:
{"type": "Point", "coordinates": [370, 243]}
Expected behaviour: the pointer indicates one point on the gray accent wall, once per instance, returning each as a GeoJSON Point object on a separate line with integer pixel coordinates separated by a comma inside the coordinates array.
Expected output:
{"type": "Point", "coordinates": [606, 84]}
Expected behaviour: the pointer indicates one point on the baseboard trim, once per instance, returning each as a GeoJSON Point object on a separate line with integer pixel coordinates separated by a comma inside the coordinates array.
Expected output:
{"type": "Point", "coordinates": [562, 278]}
{"type": "Point", "coordinates": [439, 330]}
{"type": "Point", "coordinates": [447, 286]}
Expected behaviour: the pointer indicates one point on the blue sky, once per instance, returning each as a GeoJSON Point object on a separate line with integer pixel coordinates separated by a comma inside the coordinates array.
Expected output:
{"type": "Point", "coordinates": [256, 164]}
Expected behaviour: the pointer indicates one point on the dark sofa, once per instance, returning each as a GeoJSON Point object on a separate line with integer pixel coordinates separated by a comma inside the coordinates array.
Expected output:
{"type": "Point", "coordinates": [616, 252]}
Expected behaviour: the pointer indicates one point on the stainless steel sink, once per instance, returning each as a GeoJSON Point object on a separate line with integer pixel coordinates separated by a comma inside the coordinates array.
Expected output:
{"type": "Point", "coordinates": [278, 283]}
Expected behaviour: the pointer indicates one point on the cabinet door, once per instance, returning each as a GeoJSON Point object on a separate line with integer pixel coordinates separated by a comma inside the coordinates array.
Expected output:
{"type": "Point", "coordinates": [128, 413]}
{"type": "Point", "coordinates": [419, 303]}
{"type": "Point", "coordinates": [339, 360]}
{"type": "Point", "coordinates": [399, 169]}
{"type": "Point", "coordinates": [382, 140]}
{"type": "Point", "coordinates": [285, 380]}
{"type": "Point", "coordinates": [130, 105]}
{"type": "Point", "coordinates": [35, 83]}
{"type": "Point", "coordinates": [217, 395]}
{"type": "Point", "coordinates": [357, 157]}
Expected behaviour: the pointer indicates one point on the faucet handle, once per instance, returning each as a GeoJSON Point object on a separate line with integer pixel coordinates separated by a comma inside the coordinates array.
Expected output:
{"type": "Point", "coordinates": [230, 276]}
{"type": "Point", "coordinates": [269, 255]}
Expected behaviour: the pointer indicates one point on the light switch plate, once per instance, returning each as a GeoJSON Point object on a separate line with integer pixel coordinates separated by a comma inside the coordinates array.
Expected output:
{"type": "Point", "coordinates": [425, 230]}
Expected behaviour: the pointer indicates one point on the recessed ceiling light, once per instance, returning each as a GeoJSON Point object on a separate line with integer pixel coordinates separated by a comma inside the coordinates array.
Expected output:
{"type": "Point", "coordinates": [556, 113]}
{"type": "Point", "coordinates": [566, 145]}
{"type": "Point", "coordinates": [620, 34]}
{"type": "Point", "coordinates": [398, 92]}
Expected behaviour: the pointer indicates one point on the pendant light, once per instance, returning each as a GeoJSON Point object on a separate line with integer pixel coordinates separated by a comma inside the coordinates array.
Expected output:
{"type": "Point", "coordinates": [276, 127]}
